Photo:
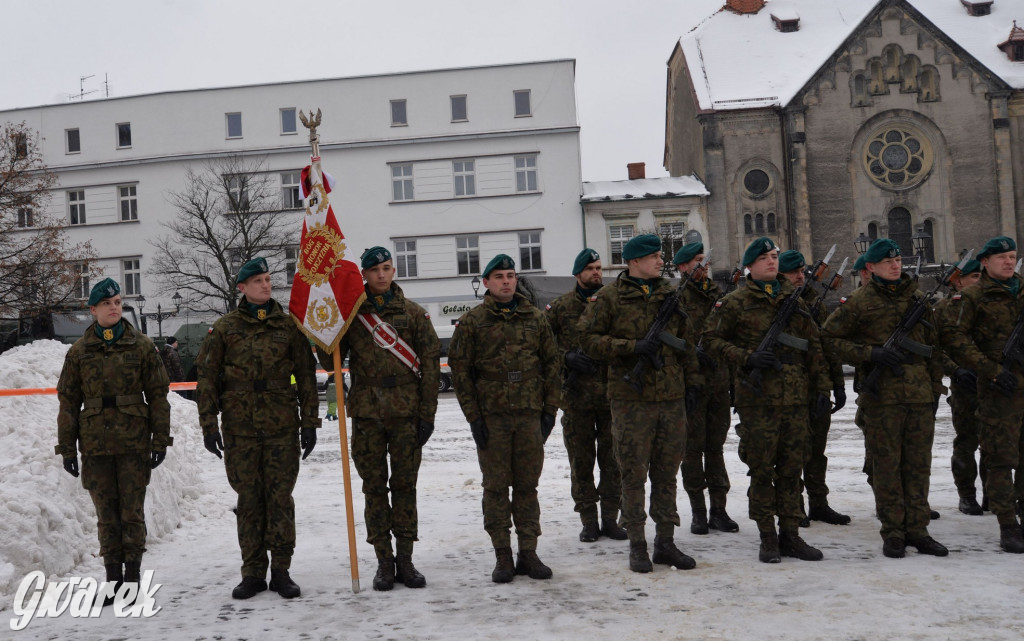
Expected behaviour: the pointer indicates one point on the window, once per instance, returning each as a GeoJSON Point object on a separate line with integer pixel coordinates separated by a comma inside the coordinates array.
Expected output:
{"type": "Point", "coordinates": [20, 145]}
{"type": "Point", "coordinates": [526, 173]}
{"type": "Point", "coordinates": [25, 217]}
{"type": "Point", "coordinates": [73, 142]}
{"type": "Point", "coordinates": [759, 223]}
{"type": "Point", "coordinates": [129, 204]}
{"type": "Point", "coordinates": [234, 125]}
{"type": "Point", "coordinates": [82, 289]}
{"type": "Point", "coordinates": [619, 235]}
{"type": "Point", "coordinates": [672, 235]}
{"type": "Point", "coordinates": [401, 182]}
{"type": "Point", "coordinates": [467, 254]}
{"type": "Point", "coordinates": [459, 109]}
{"type": "Point", "coordinates": [873, 231]}
{"type": "Point", "coordinates": [76, 207]}
{"type": "Point", "coordinates": [291, 196]}
{"type": "Point", "coordinates": [769, 222]}
{"type": "Point", "coordinates": [238, 192]}
{"type": "Point", "coordinates": [521, 98]}
{"type": "Point", "coordinates": [124, 135]}
{"type": "Point", "coordinates": [465, 184]}
{"type": "Point", "coordinates": [291, 260]}
{"type": "Point", "coordinates": [131, 277]}
{"type": "Point", "coordinates": [529, 250]}
{"type": "Point", "coordinates": [898, 157]}
{"type": "Point", "coordinates": [757, 182]}
{"type": "Point", "coordinates": [901, 231]}
{"type": "Point", "coordinates": [288, 125]}
{"type": "Point", "coordinates": [405, 259]}
{"type": "Point", "coordinates": [398, 118]}
{"type": "Point", "coordinates": [929, 250]}
{"type": "Point", "coordinates": [748, 224]}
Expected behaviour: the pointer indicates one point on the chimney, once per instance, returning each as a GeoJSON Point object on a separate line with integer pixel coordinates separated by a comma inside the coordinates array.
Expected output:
{"type": "Point", "coordinates": [744, 6]}
{"type": "Point", "coordinates": [636, 170]}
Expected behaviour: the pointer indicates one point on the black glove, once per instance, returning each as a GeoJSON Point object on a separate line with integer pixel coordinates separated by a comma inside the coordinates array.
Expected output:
{"type": "Point", "coordinates": [821, 405]}
{"type": "Point", "coordinates": [156, 458]}
{"type": "Point", "coordinates": [705, 359]}
{"type": "Point", "coordinates": [692, 398]}
{"type": "Point", "coordinates": [966, 379]}
{"type": "Point", "coordinates": [646, 347]}
{"type": "Point", "coordinates": [580, 362]}
{"type": "Point", "coordinates": [886, 357]}
{"type": "Point", "coordinates": [71, 465]}
{"type": "Point", "coordinates": [839, 393]}
{"type": "Point", "coordinates": [547, 423]}
{"type": "Point", "coordinates": [1006, 383]}
{"type": "Point", "coordinates": [213, 443]}
{"type": "Point", "coordinates": [423, 432]}
{"type": "Point", "coordinates": [307, 440]}
{"type": "Point", "coordinates": [479, 430]}
{"type": "Point", "coordinates": [763, 360]}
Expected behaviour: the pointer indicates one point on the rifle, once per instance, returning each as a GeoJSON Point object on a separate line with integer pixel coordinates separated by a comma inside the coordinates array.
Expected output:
{"type": "Point", "coordinates": [569, 384]}
{"type": "Point", "coordinates": [1013, 354]}
{"type": "Point", "coordinates": [833, 284]}
{"type": "Point", "coordinates": [899, 339]}
{"type": "Point", "coordinates": [775, 335]}
{"type": "Point", "coordinates": [669, 307]}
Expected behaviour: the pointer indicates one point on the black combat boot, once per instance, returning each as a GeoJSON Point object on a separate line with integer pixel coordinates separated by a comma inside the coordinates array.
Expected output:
{"type": "Point", "coordinates": [610, 528]}
{"type": "Point", "coordinates": [249, 587]}
{"type": "Point", "coordinates": [894, 548]}
{"type": "Point", "coordinates": [281, 582]}
{"type": "Point", "coordinates": [699, 522]}
{"type": "Point", "coordinates": [826, 514]}
{"type": "Point", "coordinates": [591, 532]}
{"type": "Point", "coordinates": [718, 519]}
{"type": "Point", "coordinates": [528, 563]}
{"type": "Point", "coordinates": [927, 545]}
{"type": "Point", "coordinates": [384, 579]}
{"type": "Point", "coordinates": [769, 550]}
{"type": "Point", "coordinates": [504, 569]}
{"type": "Point", "coordinates": [132, 571]}
{"type": "Point", "coordinates": [969, 506]}
{"type": "Point", "coordinates": [790, 544]}
{"type": "Point", "coordinates": [933, 515]}
{"type": "Point", "coordinates": [1011, 539]}
{"type": "Point", "coordinates": [406, 572]}
{"type": "Point", "coordinates": [115, 576]}
{"type": "Point", "coordinates": [805, 521]}
{"type": "Point", "coordinates": [666, 553]}
{"type": "Point", "coordinates": [639, 561]}
{"type": "Point", "coordinates": [984, 502]}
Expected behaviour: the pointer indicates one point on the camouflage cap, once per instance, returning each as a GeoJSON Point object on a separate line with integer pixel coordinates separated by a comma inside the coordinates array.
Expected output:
{"type": "Point", "coordinates": [997, 245]}
{"type": "Point", "coordinates": [252, 268]}
{"type": "Point", "coordinates": [501, 261]}
{"type": "Point", "coordinates": [687, 253]}
{"type": "Point", "coordinates": [106, 288]}
{"type": "Point", "coordinates": [880, 250]}
{"type": "Point", "coordinates": [583, 259]}
{"type": "Point", "coordinates": [762, 245]}
{"type": "Point", "coordinates": [790, 261]}
{"type": "Point", "coordinates": [374, 256]}
{"type": "Point", "coordinates": [640, 246]}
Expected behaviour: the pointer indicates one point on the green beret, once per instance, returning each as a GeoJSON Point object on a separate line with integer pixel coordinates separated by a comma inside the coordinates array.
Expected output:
{"type": "Point", "coordinates": [106, 288]}
{"type": "Point", "coordinates": [640, 246]}
{"type": "Point", "coordinates": [374, 256]}
{"type": "Point", "coordinates": [973, 265]}
{"type": "Point", "coordinates": [687, 253]}
{"type": "Point", "coordinates": [859, 264]}
{"type": "Point", "coordinates": [762, 245]}
{"type": "Point", "coordinates": [791, 260]}
{"type": "Point", "coordinates": [501, 261]}
{"type": "Point", "coordinates": [997, 245]}
{"type": "Point", "coordinates": [251, 268]}
{"type": "Point", "coordinates": [881, 249]}
{"type": "Point", "coordinates": [583, 259]}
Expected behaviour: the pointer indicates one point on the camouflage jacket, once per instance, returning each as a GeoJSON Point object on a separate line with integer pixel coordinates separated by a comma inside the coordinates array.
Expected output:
{"type": "Point", "coordinates": [618, 316]}
{"type": "Point", "coordinates": [244, 352]}
{"type": "Point", "coordinates": [977, 323]}
{"type": "Point", "coordinates": [735, 328]}
{"type": "Point", "coordinates": [698, 301]}
{"type": "Point", "coordinates": [865, 319]}
{"type": "Point", "coordinates": [382, 385]}
{"type": "Point", "coordinates": [172, 361]}
{"type": "Point", "coordinates": [110, 380]}
{"type": "Point", "coordinates": [590, 391]}
{"type": "Point", "coordinates": [949, 366]}
{"type": "Point", "coordinates": [518, 347]}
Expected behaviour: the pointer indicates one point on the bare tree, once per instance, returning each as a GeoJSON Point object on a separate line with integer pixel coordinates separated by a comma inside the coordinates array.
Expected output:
{"type": "Point", "coordinates": [227, 213]}
{"type": "Point", "coordinates": [40, 268]}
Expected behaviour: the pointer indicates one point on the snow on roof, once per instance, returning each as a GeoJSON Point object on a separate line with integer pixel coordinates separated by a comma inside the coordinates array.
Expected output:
{"type": "Point", "coordinates": [743, 62]}
{"type": "Point", "coordinates": [667, 187]}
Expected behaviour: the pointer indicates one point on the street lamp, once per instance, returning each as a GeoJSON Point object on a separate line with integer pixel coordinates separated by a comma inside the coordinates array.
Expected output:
{"type": "Point", "coordinates": [177, 301]}
{"type": "Point", "coordinates": [141, 300]}
{"type": "Point", "coordinates": [922, 242]}
{"type": "Point", "coordinates": [476, 286]}
{"type": "Point", "coordinates": [862, 242]}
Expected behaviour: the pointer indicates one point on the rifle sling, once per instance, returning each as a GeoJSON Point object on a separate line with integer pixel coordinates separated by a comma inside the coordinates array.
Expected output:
{"type": "Point", "coordinates": [792, 341]}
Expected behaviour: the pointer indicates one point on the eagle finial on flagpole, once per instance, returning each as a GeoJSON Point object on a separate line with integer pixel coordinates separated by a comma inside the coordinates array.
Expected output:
{"type": "Point", "coordinates": [312, 123]}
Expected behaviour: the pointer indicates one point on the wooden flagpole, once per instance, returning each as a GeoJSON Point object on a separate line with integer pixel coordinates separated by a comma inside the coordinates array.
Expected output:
{"type": "Point", "coordinates": [339, 387]}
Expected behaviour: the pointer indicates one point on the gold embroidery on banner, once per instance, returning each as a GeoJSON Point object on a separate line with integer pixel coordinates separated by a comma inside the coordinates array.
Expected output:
{"type": "Point", "coordinates": [322, 251]}
{"type": "Point", "coordinates": [322, 313]}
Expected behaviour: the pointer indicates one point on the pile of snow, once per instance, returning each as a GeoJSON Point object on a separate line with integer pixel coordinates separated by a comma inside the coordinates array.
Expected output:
{"type": "Point", "coordinates": [50, 522]}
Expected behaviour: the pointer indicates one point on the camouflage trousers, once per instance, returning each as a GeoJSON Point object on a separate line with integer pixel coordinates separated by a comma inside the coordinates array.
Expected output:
{"type": "Point", "coordinates": [965, 469]}
{"type": "Point", "coordinates": [117, 485]}
{"type": "Point", "coordinates": [773, 445]}
{"type": "Point", "coordinates": [649, 440]}
{"type": "Point", "coordinates": [514, 458]}
{"type": "Point", "coordinates": [703, 465]}
{"type": "Point", "coordinates": [1000, 438]}
{"type": "Point", "coordinates": [899, 442]}
{"type": "Point", "coordinates": [263, 471]}
{"type": "Point", "coordinates": [858, 420]}
{"type": "Point", "coordinates": [373, 441]}
{"type": "Point", "coordinates": [816, 463]}
{"type": "Point", "coordinates": [588, 439]}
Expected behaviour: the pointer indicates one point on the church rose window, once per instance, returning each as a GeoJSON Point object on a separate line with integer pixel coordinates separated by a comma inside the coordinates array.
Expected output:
{"type": "Point", "coordinates": [898, 157]}
{"type": "Point", "coordinates": [756, 182]}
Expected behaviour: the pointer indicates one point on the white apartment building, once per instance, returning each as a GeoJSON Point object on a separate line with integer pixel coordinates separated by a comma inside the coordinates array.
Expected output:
{"type": "Point", "coordinates": [446, 168]}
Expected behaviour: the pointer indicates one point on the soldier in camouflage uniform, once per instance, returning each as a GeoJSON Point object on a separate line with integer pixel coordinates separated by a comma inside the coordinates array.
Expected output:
{"type": "Point", "coordinates": [649, 424]}
{"type": "Point", "coordinates": [392, 406]}
{"type": "Point", "coordinates": [586, 418]}
{"type": "Point", "coordinates": [773, 427]}
{"type": "Point", "coordinates": [113, 408]}
{"type": "Point", "coordinates": [975, 330]}
{"type": "Point", "coordinates": [791, 269]}
{"type": "Point", "coordinates": [707, 426]}
{"type": "Point", "coordinates": [899, 417]}
{"type": "Point", "coordinates": [505, 365]}
{"type": "Point", "coordinates": [245, 374]}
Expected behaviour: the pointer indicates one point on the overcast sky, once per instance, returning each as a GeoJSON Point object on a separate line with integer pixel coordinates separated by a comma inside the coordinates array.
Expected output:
{"type": "Point", "coordinates": [621, 48]}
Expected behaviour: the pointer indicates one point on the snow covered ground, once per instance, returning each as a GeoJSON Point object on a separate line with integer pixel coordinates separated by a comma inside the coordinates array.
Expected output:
{"type": "Point", "coordinates": [855, 593]}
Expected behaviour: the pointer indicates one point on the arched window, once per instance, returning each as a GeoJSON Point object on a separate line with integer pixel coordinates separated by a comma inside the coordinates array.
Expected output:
{"type": "Point", "coordinates": [929, 254]}
{"type": "Point", "coordinates": [901, 231]}
{"type": "Point", "coordinates": [892, 55]}
{"type": "Point", "coordinates": [877, 84]}
{"type": "Point", "coordinates": [928, 84]}
{"type": "Point", "coordinates": [759, 223]}
{"type": "Point", "coordinates": [748, 228]}
{"type": "Point", "coordinates": [909, 70]}
{"type": "Point", "coordinates": [770, 223]}
{"type": "Point", "coordinates": [873, 231]}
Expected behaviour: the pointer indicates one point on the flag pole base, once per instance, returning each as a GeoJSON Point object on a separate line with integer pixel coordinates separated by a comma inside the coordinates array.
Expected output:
{"type": "Point", "coordinates": [355, 586]}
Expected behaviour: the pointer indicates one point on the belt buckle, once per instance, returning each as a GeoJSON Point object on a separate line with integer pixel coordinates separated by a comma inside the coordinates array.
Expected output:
{"type": "Point", "coordinates": [259, 386]}
{"type": "Point", "coordinates": [515, 377]}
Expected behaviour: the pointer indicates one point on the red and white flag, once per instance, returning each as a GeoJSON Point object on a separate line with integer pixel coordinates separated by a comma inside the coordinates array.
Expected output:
{"type": "Point", "coordinates": [327, 290]}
